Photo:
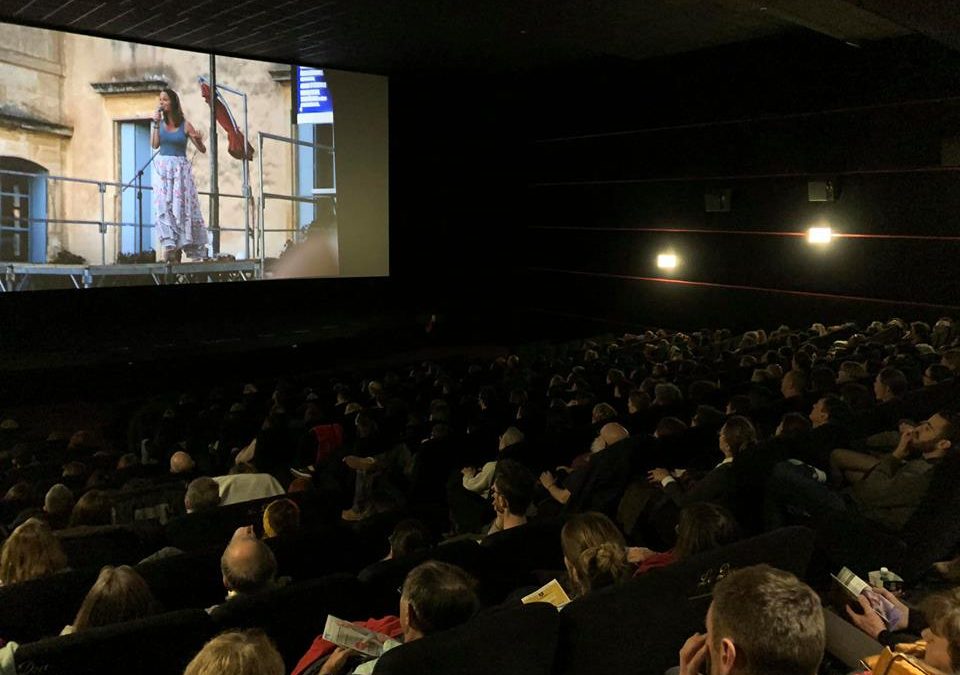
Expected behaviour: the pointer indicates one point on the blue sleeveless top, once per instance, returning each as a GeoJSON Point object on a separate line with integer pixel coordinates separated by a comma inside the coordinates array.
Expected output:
{"type": "Point", "coordinates": [173, 143]}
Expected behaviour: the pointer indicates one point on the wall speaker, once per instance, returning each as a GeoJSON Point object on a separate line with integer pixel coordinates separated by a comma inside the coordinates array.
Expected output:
{"type": "Point", "coordinates": [717, 201]}
{"type": "Point", "coordinates": [822, 191]}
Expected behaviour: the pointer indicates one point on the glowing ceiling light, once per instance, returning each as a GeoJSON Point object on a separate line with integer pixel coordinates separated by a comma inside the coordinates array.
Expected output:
{"type": "Point", "coordinates": [667, 261]}
{"type": "Point", "coordinates": [819, 235]}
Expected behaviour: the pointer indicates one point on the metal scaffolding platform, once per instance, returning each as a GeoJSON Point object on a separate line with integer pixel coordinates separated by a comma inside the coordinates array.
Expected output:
{"type": "Point", "coordinates": [17, 276]}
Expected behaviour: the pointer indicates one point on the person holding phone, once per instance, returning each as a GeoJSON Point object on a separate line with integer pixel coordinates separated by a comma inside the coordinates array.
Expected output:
{"type": "Point", "coordinates": [176, 203]}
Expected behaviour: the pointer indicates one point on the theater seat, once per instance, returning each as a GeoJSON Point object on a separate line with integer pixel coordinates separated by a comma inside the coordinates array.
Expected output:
{"type": "Point", "coordinates": [521, 640]}
{"type": "Point", "coordinates": [655, 613]}
{"type": "Point", "coordinates": [158, 503]}
{"type": "Point", "coordinates": [159, 645]}
{"type": "Point", "coordinates": [40, 608]}
{"type": "Point", "coordinates": [186, 580]}
{"type": "Point", "coordinates": [294, 615]}
{"type": "Point", "coordinates": [313, 553]}
{"type": "Point", "coordinates": [515, 554]}
{"type": "Point", "coordinates": [106, 545]}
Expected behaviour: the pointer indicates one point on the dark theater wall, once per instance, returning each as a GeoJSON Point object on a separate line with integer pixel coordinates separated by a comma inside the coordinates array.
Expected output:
{"type": "Point", "coordinates": [895, 104]}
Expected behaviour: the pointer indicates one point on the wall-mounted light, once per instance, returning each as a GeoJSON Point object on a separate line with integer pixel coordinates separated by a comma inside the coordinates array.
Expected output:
{"type": "Point", "coordinates": [667, 261]}
{"type": "Point", "coordinates": [819, 235]}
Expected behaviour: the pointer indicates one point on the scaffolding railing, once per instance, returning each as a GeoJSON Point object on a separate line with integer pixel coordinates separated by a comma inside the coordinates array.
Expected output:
{"type": "Point", "coordinates": [102, 223]}
{"type": "Point", "coordinates": [265, 196]}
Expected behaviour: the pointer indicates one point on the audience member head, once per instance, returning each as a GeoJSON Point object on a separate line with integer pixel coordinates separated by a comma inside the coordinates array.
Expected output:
{"type": "Point", "coordinates": [822, 379]}
{"type": "Point", "coordinates": [851, 371]}
{"type": "Point", "coordinates": [300, 484]}
{"type": "Point", "coordinates": [936, 436]}
{"type": "Point", "coordinates": [511, 436]}
{"type": "Point", "coordinates": [703, 527]}
{"type": "Point", "coordinates": [248, 566]}
{"type": "Point", "coordinates": [951, 359]}
{"type": "Point", "coordinates": [936, 373]}
{"type": "Point", "coordinates": [435, 597]}
{"type": "Point", "coordinates": [736, 434]}
{"type": "Point", "coordinates": [281, 517]}
{"type": "Point", "coordinates": [739, 404]}
{"type": "Point", "coordinates": [203, 494]}
{"type": "Point", "coordinates": [707, 416]}
{"type": "Point", "coordinates": [890, 384]}
{"type": "Point", "coordinates": [409, 536]}
{"type": "Point", "coordinates": [594, 552]}
{"type": "Point", "coordinates": [669, 426]}
{"type": "Point", "coordinates": [942, 613]}
{"type": "Point", "coordinates": [666, 393]}
{"type": "Point", "coordinates": [793, 384]}
{"type": "Point", "coordinates": [763, 620]}
{"type": "Point", "coordinates": [58, 503]}
{"type": "Point", "coordinates": [30, 552]}
{"type": "Point", "coordinates": [119, 594]}
{"type": "Point", "coordinates": [801, 361]}
{"type": "Point", "coordinates": [18, 492]}
{"type": "Point", "coordinates": [128, 461]}
{"type": "Point", "coordinates": [512, 488]}
{"type": "Point", "coordinates": [793, 423]}
{"type": "Point", "coordinates": [181, 463]}
{"type": "Point", "coordinates": [636, 401]}
{"type": "Point", "coordinates": [603, 413]}
{"type": "Point", "coordinates": [92, 509]}
{"type": "Point", "coordinates": [857, 396]}
{"type": "Point", "coordinates": [247, 652]}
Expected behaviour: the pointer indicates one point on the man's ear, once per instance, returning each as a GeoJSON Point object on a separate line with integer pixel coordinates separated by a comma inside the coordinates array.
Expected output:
{"type": "Point", "coordinates": [728, 655]}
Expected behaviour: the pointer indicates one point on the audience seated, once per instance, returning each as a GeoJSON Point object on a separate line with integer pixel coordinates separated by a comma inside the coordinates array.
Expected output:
{"type": "Point", "coordinates": [248, 652]}
{"type": "Point", "coordinates": [702, 527]}
{"type": "Point", "coordinates": [512, 494]}
{"type": "Point", "coordinates": [761, 620]}
{"type": "Point", "coordinates": [735, 437]}
{"type": "Point", "coordinates": [30, 552]}
{"type": "Point", "coordinates": [435, 597]}
{"type": "Point", "coordinates": [119, 594]}
{"type": "Point", "coordinates": [182, 464]}
{"type": "Point", "coordinates": [281, 517]}
{"type": "Point", "coordinates": [936, 621]}
{"type": "Point", "coordinates": [248, 565]}
{"type": "Point", "coordinates": [385, 449]}
{"type": "Point", "coordinates": [58, 505]}
{"type": "Point", "coordinates": [92, 509]}
{"type": "Point", "coordinates": [203, 494]}
{"type": "Point", "coordinates": [890, 490]}
{"type": "Point", "coordinates": [594, 552]}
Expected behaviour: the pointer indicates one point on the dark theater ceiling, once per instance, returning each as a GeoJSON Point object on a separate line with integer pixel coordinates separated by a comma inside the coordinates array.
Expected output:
{"type": "Point", "coordinates": [396, 36]}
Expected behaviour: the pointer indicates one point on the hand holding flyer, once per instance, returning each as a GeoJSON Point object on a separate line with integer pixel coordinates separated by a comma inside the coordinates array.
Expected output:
{"type": "Point", "coordinates": [350, 636]}
{"type": "Point", "coordinates": [552, 593]}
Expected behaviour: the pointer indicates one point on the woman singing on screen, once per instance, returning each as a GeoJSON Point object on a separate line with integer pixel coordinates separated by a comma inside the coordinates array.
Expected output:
{"type": "Point", "coordinates": [175, 202]}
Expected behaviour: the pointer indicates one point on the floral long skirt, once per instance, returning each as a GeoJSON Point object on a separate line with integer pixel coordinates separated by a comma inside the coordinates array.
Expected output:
{"type": "Point", "coordinates": [176, 207]}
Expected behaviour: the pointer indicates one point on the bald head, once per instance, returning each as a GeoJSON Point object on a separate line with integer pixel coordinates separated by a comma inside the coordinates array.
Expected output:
{"type": "Point", "coordinates": [613, 433]}
{"type": "Point", "coordinates": [181, 462]}
{"type": "Point", "coordinates": [248, 566]}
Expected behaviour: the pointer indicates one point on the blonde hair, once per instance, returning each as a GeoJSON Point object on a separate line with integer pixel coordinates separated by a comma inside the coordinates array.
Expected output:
{"type": "Point", "coordinates": [595, 552]}
{"type": "Point", "coordinates": [118, 595]}
{"type": "Point", "coordinates": [248, 652]}
{"type": "Point", "coordinates": [31, 552]}
{"type": "Point", "coordinates": [942, 611]}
